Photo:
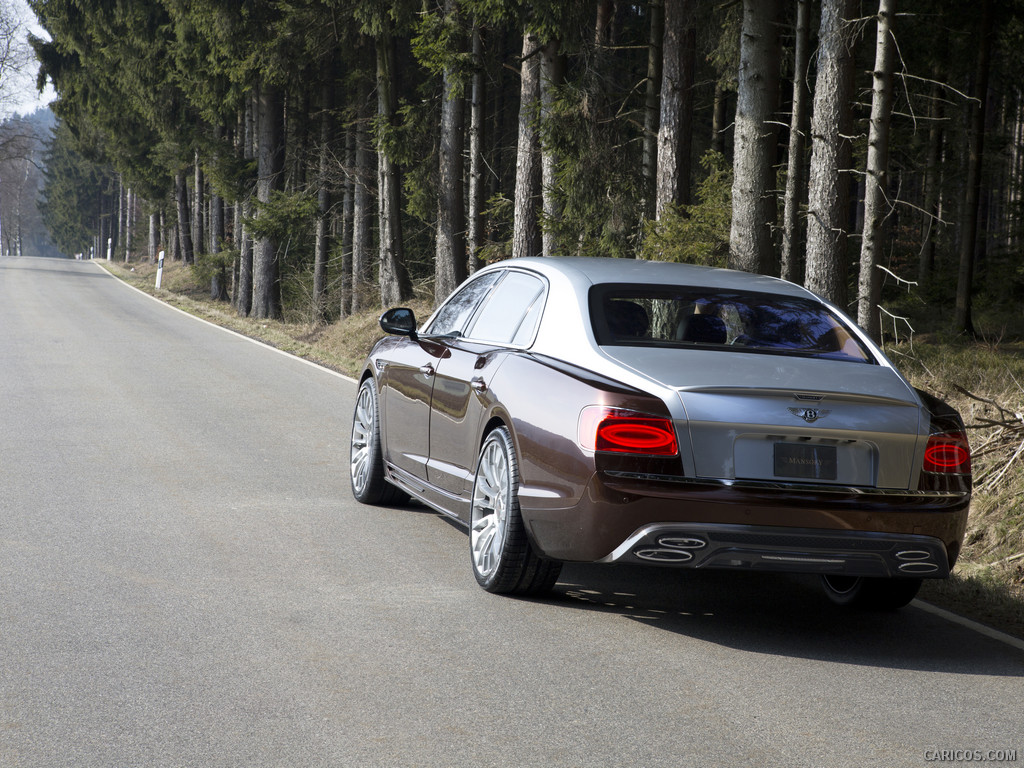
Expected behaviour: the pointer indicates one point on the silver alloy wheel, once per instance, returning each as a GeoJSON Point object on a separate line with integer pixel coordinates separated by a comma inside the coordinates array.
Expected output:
{"type": "Point", "coordinates": [491, 499]}
{"type": "Point", "coordinates": [363, 425]}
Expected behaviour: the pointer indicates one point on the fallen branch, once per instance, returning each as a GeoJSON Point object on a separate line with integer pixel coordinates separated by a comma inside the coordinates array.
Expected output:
{"type": "Point", "coordinates": [1002, 442]}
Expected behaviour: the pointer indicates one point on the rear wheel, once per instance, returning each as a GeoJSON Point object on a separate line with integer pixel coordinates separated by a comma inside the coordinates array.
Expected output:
{"type": "Point", "coordinates": [501, 554]}
{"type": "Point", "coordinates": [366, 463]}
{"type": "Point", "coordinates": [872, 594]}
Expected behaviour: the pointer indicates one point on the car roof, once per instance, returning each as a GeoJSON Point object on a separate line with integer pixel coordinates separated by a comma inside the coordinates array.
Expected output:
{"type": "Point", "coordinates": [583, 272]}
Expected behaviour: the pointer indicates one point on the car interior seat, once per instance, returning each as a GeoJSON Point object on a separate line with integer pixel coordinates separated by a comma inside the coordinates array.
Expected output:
{"type": "Point", "coordinates": [627, 319]}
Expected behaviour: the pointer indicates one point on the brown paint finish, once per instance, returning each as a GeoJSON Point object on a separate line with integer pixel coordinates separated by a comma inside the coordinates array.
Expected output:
{"type": "Point", "coordinates": [440, 396]}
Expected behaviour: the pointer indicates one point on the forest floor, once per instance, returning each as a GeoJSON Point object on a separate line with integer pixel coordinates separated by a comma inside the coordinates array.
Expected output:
{"type": "Point", "coordinates": [984, 381]}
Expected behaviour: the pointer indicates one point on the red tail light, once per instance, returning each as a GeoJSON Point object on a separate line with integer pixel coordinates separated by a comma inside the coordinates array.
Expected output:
{"type": "Point", "coordinates": [948, 453]}
{"type": "Point", "coordinates": [623, 431]}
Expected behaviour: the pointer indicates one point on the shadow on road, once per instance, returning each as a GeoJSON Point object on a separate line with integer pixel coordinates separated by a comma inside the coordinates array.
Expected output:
{"type": "Point", "coordinates": [778, 615]}
{"type": "Point", "coordinates": [783, 615]}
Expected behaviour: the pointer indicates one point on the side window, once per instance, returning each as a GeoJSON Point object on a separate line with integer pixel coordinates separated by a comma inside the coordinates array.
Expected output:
{"type": "Point", "coordinates": [514, 304]}
{"type": "Point", "coordinates": [456, 312]}
{"type": "Point", "coordinates": [528, 327]}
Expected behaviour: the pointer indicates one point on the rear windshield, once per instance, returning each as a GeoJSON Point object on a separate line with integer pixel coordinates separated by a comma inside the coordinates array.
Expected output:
{"type": "Point", "coordinates": [684, 317]}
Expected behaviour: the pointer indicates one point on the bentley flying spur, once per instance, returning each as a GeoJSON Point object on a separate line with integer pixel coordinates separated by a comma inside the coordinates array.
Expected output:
{"type": "Point", "coordinates": [621, 411]}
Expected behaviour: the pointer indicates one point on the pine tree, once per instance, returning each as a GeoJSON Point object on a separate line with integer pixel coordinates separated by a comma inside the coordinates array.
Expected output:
{"type": "Point", "coordinates": [877, 203]}
{"type": "Point", "coordinates": [827, 224]}
{"type": "Point", "coordinates": [753, 199]}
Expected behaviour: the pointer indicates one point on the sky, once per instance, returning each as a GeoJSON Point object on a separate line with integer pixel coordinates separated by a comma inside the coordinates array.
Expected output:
{"type": "Point", "coordinates": [26, 98]}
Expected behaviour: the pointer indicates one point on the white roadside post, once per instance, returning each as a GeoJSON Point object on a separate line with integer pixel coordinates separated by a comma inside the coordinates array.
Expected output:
{"type": "Point", "coordinates": [110, 242]}
{"type": "Point", "coordinates": [160, 269]}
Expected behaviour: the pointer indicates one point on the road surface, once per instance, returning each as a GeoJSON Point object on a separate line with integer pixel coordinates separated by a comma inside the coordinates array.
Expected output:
{"type": "Point", "coordinates": [185, 580]}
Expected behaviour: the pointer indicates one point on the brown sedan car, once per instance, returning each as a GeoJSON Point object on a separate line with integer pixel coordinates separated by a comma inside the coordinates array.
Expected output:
{"type": "Point", "coordinates": [619, 411]}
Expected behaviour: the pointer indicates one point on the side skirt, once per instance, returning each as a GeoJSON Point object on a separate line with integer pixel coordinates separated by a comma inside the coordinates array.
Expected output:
{"type": "Point", "coordinates": [438, 499]}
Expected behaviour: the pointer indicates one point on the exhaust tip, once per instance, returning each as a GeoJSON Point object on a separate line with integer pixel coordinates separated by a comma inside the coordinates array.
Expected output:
{"type": "Point", "coordinates": [658, 555]}
{"type": "Point", "coordinates": [919, 568]}
{"type": "Point", "coordinates": [913, 555]}
{"type": "Point", "coordinates": [682, 542]}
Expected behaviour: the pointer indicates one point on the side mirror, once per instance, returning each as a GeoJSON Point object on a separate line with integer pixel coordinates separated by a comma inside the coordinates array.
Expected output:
{"type": "Point", "coordinates": [399, 321]}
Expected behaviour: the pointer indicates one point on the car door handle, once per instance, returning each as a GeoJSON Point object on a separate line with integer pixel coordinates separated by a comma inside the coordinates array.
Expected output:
{"type": "Point", "coordinates": [427, 370]}
{"type": "Point", "coordinates": [478, 384]}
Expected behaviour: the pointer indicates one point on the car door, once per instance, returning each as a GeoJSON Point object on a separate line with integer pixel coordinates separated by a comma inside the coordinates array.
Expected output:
{"type": "Point", "coordinates": [407, 381]}
{"type": "Point", "coordinates": [461, 398]}
{"type": "Point", "coordinates": [407, 375]}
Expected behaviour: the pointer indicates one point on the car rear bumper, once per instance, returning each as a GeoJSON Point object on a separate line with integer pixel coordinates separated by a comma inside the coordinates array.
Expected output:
{"type": "Point", "coordinates": [766, 548]}
{"type": "Point", "coordinates": [753, 525]}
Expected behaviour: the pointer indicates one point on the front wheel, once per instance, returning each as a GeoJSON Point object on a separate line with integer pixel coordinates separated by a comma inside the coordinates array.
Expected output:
{"type": "Point", "coordinates": [366, 462]}
{"type": "Point", "coordinates": [872, 594]}
{"type": "Point", "coordinates": [500, 551]}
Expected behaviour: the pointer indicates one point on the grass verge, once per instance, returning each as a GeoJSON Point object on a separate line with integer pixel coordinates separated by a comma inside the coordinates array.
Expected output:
{"type": "Point", "coordinates": [983, 381]}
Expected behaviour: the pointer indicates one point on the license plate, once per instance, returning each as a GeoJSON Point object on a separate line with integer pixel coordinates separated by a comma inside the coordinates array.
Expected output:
{"type": "Point", "coordinates": [805, 461]}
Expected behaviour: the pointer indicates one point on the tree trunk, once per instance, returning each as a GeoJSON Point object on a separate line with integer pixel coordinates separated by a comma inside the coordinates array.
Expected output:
{"type": "Point", "coordinates": [119, 233]}
{"type": "Point", "coordinates": [754, 147]}
{"type": "Point", "coordinates": [184, 230]}
{"type": "Point", "coordinates": [243, 287]}
{"type": "Point", "coordinates": [153, 242]}
{"type": "Point", "coordinates": [877, 206]}
{"type": "Point", "coordinates": [656, 11]}
{"type": "Point", "coordinates": [1016, 170]}
{"type": "Point", "coordinates": [675, 133]}
{"type": "Point", "coordinates": [828, 186]}
{"type": "Point", "coordinates": [478, 97]}
{"type": "Point", "coordinates": [175, 243]}
{"type": "Point", "coordinates": [932, 184]}
{"type": "Point", "coordinates": [217, 206]}
{"type": "Point", "coordinates": [362, 213]}
{"type": "Point", "coordinates": [605, 23]}
{"type": "Point", "coordinates": [266, 279]}
{"type": "Point", "coordinates": [526, 239]}
{"type": "Point", "coordinates": [198, 205]}
{"type": "Point", "coordinates": [501, 120]}
{"type": "Point", "coordinates": [322, 245]}
{"type": "Point", "coordinates": [450, 261]}
{"type": "Point", "coordinates": [395, 286]}
{"type": "Point", "coordinates": [129, 223]}
{"type": "Point", "coordinates": [552, 75]}
{"type": "Point", "coordinates": [220, 282]}
{"type": "Point", "coordinates": [347, 219]}
{"type": "Point", "coordinates": [216, 223]}
{"type": "Point", "coordinates": [719, 115]}
{"type": "Point", "coordinates": [797, 144]}
{"type": "Point", "coordinates": [962, 322]}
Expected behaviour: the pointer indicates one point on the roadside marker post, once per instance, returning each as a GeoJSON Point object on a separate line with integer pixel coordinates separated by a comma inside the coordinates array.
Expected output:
{"type": "Point", "coordinates": [160, 269]}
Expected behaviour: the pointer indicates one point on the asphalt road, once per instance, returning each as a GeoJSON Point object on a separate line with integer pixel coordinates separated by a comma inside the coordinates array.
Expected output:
{"type": "Point", "coordinates": [185, 580]}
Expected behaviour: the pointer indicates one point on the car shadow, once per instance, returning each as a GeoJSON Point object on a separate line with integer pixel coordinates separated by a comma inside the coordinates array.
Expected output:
{"type": "Point", "coordinates": [775, 614]}
{"type": "Point", "coordinates": [780, 614]}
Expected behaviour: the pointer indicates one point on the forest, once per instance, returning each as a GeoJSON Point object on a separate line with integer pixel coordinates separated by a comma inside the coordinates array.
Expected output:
{"type": "Point", "coordinates": [318, 158]}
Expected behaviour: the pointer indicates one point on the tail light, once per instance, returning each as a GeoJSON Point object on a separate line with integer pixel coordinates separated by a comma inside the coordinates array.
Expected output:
{"type": "Point", "coordinates": [948, 453]}
{"type": "Point", "coordinates": [623, 431]}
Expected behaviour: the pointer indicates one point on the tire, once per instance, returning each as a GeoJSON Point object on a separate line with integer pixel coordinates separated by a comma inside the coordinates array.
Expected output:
{"type": "Point", "coordinates": [366, 463]}
{"type": "Point", "coordinates": [870, 594]}
{"type": "Point", "coordinates": [503, 560]}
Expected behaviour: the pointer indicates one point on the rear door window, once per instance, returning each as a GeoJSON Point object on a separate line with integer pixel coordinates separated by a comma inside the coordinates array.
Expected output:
{"type": "Point", "coordinates": [512, 311]}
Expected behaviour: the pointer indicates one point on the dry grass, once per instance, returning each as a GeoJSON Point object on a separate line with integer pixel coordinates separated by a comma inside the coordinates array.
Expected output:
{"type": "Point", "coordinates": [341, 345]}
{"type": "Point", "coordinates": [988, 584]}
{"type": "Point", "coordinates": [984, 382]}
